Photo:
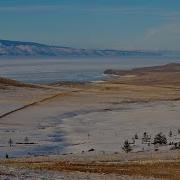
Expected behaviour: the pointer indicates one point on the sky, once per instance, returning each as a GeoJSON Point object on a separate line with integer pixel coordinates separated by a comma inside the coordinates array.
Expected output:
{"type": "Point", "coordinates": [102, 24]}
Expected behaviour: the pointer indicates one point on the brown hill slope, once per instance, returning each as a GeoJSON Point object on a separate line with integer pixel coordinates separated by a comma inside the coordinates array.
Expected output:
{"type": "Point", "coordinates": [4, 82]}
{"type": "Point", "coordinates": [168, 74]}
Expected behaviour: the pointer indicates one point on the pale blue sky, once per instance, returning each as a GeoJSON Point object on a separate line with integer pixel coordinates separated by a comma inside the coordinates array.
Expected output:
{"type": "Point", "coordinates": [117, 24]}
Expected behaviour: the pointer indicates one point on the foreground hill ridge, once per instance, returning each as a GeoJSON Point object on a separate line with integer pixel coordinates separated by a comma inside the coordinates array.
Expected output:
{"type": "Point", "coordinates": [18, 48]}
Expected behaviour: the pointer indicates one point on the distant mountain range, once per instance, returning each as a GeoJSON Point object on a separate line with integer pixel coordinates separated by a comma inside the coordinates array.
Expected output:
{"type": "Point", "coordinates": [31, 49]}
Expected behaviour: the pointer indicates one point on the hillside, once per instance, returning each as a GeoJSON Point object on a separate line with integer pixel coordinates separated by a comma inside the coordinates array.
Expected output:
{"type": "Point", "coordinates": [5, 82]}
{"type": "Point", "coordinates": [168, 74]}
{"type": "Point", "coordinates": [17, 48]}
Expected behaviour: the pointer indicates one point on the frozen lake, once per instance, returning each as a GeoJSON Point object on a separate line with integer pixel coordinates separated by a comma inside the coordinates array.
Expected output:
{"type": "Point", "coordinates": [53, 70]}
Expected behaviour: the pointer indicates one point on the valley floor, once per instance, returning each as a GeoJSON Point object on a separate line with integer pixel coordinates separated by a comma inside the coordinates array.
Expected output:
{"type": "Point", "coordinates": [91, 120]}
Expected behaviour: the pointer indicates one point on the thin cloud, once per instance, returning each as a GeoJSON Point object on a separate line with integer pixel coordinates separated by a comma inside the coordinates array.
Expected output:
{"type": "Point", "coordinates": [121, 10]}
{"type": "Point", "coordinates": [30, 8]}
{"type": "Point", "coordinates": [172, 16]}
{"type": "Point", "coordinates": [162, 37]}
{"type": "Point", "coordinates": [168, 29]}
{"type": "Point", "coordinates": [97, 10]}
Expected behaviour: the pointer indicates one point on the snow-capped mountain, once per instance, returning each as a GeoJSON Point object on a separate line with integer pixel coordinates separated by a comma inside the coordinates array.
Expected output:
{"type": "Point", "coordinates": [17, 48]}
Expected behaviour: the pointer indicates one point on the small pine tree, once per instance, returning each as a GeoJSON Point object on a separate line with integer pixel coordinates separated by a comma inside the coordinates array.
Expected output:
{"type": "Point", "coordinates": [136, 136]}
{"type": "Point", "coordinates": [10, 142]}
{"type": "Point", "coordinates": [145, 137]}
{"type": "Point", "coordinates": [145, 134]}
{"type": "Point", "coordinates": [126, 146]}
{"type": "Point", "coordinates": [170, 133]}
{"type": "Point", "coordinates": [160, 139]}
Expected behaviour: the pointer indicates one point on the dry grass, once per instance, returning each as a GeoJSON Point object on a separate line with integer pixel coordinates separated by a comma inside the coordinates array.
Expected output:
{"type": "Point", "coordinates": [5, 82]}
{"type": "Point", "coordinates": [165, 75]}
{"type": "Point", "coordinates": [163, 169]}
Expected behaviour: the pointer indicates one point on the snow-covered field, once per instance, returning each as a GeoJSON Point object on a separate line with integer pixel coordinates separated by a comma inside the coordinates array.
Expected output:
{"type": "Point", "coordinates": [73, 126]}
{"type": "Point", "coordinates": [107, 130]}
